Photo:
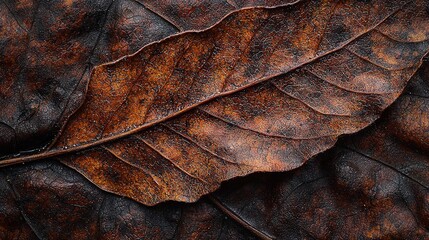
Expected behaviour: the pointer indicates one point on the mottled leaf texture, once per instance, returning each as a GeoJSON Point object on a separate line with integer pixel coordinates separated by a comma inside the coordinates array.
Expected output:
{"type": "Point", "coordinates": [371, 185]}
{"type": "Point", "coordinates": [263, 90]}
{"type": "Point", "coordinates": [49, 47]}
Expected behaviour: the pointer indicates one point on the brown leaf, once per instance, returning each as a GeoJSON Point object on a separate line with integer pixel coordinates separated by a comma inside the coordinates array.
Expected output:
{"type": "Point", "coordinates": [372, 185]}
{"type": "Point", "coordinates": [48, 50]}
{"type": "Point", "coordinates": [254, 100]}
{"type": "Point", "coordinates": [175, 75]}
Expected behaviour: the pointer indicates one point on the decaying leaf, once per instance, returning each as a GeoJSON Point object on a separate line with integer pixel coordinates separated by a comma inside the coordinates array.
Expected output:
{"type": "Point", "coordinates": [371, 185]}
{"type": "Point", "coordinates": [48, 49]}
{"type": "Point", "coordinates": [263, 90]}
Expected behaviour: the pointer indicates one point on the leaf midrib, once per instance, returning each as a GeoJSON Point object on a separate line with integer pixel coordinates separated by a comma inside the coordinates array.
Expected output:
{"type": "Point", "coordinates": [85, 145]}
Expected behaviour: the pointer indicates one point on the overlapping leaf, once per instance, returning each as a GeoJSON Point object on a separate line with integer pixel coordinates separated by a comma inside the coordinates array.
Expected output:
{"type": "Point", "coordinates": [264, 90]}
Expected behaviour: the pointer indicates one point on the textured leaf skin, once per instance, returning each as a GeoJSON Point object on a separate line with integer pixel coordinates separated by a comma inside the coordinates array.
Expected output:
{"type": "Point", "coordinates": [199, 108]}
{"type": "Point", "coordinates": [179, 73]}
{"type": "Point", "coordinates": [35, 91]}
{"type": "Point", "coordinates": [280, 101]}
{"type": "Point", "coordinates": [371, 185]}
{"type": "Point", "coordinates": [48, 50]}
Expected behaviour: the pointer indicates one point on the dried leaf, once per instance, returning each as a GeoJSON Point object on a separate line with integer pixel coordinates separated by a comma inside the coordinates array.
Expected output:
{"type": "Point", "coordinates": [250, 94]}
{"type": "Point", "coordinates": [48, 49]}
